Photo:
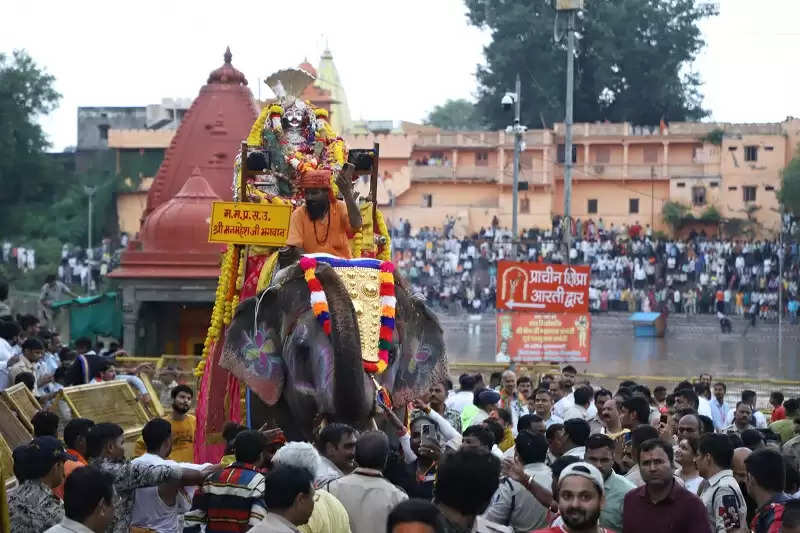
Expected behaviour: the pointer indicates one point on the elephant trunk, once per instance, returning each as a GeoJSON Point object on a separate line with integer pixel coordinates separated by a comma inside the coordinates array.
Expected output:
{"type": "Point", "coordinates": [351, 399]}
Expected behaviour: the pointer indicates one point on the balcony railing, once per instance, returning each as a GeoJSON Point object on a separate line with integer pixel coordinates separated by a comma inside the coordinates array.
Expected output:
{"type": "Point", "coordinates": [432, 172]}
{"type": "Point", "coordinates": [462, 139]}
{"type": "Point", "coordinates": [687, 171]}
{"type": "Point", "coordinates": [462, 172]}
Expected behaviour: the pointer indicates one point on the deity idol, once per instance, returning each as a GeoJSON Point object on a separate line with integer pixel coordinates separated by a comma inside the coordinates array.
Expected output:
{"type": "Point", "coordinates": [289, 139]}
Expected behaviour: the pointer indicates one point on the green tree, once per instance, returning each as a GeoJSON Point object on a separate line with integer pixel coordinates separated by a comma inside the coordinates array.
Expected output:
{"type": "Point", "coordinates": [789, 195]}
{"type": "Point", "coordinates": [26, 93]}
{"type": "Point", "coordinates": [631, 60]}
{"type": "Point", "coordinates": [675, 214]}
{"type": "Point", "coordinates": [455, 115]}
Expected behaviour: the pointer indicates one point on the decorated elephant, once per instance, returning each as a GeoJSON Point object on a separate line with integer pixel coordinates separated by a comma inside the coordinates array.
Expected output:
{"type": "Point", "coordinates": [303, 375]}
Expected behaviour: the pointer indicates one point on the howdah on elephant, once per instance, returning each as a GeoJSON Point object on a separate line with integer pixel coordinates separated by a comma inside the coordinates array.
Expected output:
{"type": "Point", "coordinates": [303, 376]}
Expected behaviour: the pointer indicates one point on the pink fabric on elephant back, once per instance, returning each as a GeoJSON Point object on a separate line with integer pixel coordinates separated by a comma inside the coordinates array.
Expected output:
{"type": "Point", "coordinates": [219, 398]}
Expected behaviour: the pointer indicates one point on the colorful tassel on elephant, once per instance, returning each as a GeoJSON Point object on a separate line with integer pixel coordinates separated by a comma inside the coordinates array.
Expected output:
{"type": "Point", "coordinates": [319, 302]}
{"type": "Point", "coordinates": [388, 303]}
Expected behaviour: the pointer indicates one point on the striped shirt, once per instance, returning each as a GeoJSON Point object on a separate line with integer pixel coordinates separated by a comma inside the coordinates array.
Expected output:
{"type": "Point", "coordinates": [230, 501]}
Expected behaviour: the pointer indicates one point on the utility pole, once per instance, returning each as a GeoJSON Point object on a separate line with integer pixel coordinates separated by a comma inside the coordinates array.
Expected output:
{"type": "Point", "coordinates": [90, 193]}
{"type": "Point", "coordinates": [780, 290]}
{"type": "Point", "coordinates": [652, 199]}
{"type": "Point", "coordinates": [568, 131]}
{"type": "Point", "coordinates": [517, 147]}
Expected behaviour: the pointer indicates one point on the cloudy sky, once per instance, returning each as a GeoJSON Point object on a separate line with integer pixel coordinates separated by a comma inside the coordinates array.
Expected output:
{"type": "Point", "coordinates": [397, 59]}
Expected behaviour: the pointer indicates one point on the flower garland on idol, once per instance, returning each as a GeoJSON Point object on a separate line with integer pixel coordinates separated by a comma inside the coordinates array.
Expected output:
{"type": "Point", "coordinates": [319, 306]}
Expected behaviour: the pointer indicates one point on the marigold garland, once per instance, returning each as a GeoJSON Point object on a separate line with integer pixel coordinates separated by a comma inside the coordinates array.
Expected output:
{"type": "Point", "coordinates": [220, 301]}
{"type": "Point", "coordinates": [254, 137]}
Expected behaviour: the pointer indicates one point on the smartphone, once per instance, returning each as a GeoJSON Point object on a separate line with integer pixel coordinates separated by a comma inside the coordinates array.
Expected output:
{"type": "Point", "coordinates": [428, 434]}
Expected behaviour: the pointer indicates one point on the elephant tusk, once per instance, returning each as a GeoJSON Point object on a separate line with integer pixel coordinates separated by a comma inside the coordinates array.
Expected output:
{"type": "Point", "coordinates": [373, 423]}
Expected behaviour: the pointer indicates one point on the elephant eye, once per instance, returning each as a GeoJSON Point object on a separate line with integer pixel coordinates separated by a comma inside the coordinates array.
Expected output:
{"type": "Point", "coordinates": [393, 354]}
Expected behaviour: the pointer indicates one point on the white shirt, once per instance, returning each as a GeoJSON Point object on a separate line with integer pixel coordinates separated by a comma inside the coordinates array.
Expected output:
{"type": "Point", "coordinates": [577, 411]}
{"type": "Point", "coordinates": [459, 400]}
{"type": "Point", "coordinates": [69, 526]}
{"type": "Point", "coordinates": [6, 353]}
{"type": "Point", "coordinates": [704, 407]}
{"type": "Point", "coordinates": [563, 404]}
{"type": "Point", "coordinates": [150, 511]}
{"type": "Point", "coordinates": [553, 420]}
{"type": "Point", "coordinates": [541, 474]}
{"type": "Point", "coordinates": [577, 451]}
{"type": "Point", "coordinates": [761, 420]}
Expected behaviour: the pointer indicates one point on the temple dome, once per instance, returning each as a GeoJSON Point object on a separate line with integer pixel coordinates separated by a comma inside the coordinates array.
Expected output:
{"type": "Point", "coordinates": [180, 225]}
{"type": "Point", "coordinates": [226, 73]}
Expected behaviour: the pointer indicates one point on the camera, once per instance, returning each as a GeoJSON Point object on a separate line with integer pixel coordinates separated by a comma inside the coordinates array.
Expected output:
{"type": "Point", "coordinates": [362, 159]}
{"type": "Point", "coordinates": [258, 161]}
{"type": "Point", "coordinates": [507, 101]}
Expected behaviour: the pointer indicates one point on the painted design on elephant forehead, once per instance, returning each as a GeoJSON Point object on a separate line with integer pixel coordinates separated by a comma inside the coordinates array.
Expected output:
{"type": "Point", "coordinates": [260, 351]}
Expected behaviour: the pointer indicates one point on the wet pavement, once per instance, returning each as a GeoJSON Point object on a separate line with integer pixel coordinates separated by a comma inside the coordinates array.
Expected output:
{"type": "Point", "coordinates": [690, 346]}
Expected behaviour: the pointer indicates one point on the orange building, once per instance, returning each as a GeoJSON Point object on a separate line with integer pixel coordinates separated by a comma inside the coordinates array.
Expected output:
{"type": "Point", "coordinates": [621, 173]}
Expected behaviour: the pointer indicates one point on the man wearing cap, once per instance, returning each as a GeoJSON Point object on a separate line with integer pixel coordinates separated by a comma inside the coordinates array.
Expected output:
{"type": "Point", "coordinates": [580, 498]}
{"type": "Point", "coordinates": [324, 223]}
{"type": "Point", "coordinates": [483, 402]}
{"type": "Point", "coordinates": [33, 507]}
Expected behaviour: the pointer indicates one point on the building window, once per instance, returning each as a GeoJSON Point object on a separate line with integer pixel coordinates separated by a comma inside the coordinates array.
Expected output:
{"type": "Point", "coordinates": [734, 188]}
{"type": "Point", "coordinates": [749, 193]}
{"type": "Point", "coordinates": [751, 153]}
{"type": "Point", "coordinates": [680, 185]}
{"type": "Point", "coordinates": [562, 151]}
{"type": "Point", "coordinates": [769, 148]}
{"type": "Point", "coordinates": [591, 206]}
{"type": "Point", "coordinates": [651, 153]}
{"type": "Point", "coordinates": [769, 187]}
{"type": "Point", "coordinates": [482, 159]}
{"type": "Point", "coordinates": [602, 154]}
{"type": "Point", "coordinates": [633, 206]}
{"type": "Point", "coordinates": [714, 184]}
{"type": "Point", "coordinates": [103, 129]}
{"type": "Point", "coordinates": [699, 195]}
{"type": "Point", "coordinates": [524, 205]}
{"type": "Point", "coordinates": [427, 200]}
{"type": "Point", "coordinates": [732, 148]}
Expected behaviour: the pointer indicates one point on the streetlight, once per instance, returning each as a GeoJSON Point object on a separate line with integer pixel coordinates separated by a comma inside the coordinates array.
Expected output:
{"type": "Point", "coordinates": [517, 129]}
{"type": "Point", "coordinates": [89, 190]}
{"type": "Point", "coordinates": [571, 7]}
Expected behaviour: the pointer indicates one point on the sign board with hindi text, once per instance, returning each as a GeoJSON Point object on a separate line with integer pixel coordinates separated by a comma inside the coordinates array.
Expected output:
{"type": "Point", "coordinates": [531, 337]}
{"type": "Point", "coordinates": [542, 287]}
{"type": "Point", "coordinates": [249, 223]}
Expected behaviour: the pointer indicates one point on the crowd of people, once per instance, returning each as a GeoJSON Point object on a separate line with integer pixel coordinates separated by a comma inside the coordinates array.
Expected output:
{"type": "Point", "coordinates": [548, 453]}
{"type": "Point", "coordinates": [632, 268]}
{"type": "Point", "coordinates": [78, 268]}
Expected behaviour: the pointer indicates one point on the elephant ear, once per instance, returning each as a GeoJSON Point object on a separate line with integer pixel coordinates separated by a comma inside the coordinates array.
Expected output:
{"type": "Point", "coordinates": [421, 358]}
{"type": "Point", "coordinates": [252, 349]}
